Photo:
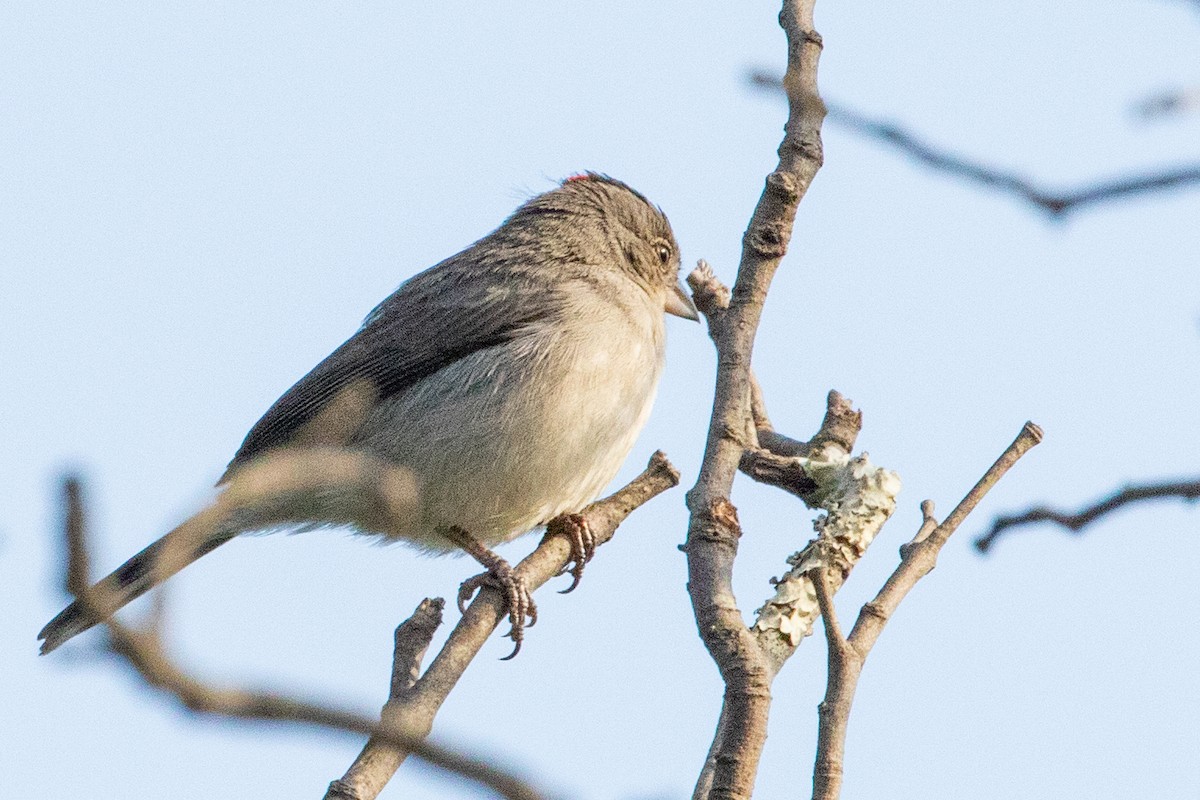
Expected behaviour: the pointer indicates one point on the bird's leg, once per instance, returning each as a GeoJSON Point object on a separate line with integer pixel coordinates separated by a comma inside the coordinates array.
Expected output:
{"type": "Point", "coordinates": [583, 544]}
{"type": "Point", "coordinates": [499, 575]}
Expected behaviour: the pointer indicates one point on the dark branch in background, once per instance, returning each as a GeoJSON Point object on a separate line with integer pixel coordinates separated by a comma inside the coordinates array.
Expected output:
{"type": "Point", "coordinates": [410, 712]}
{"type": "Point", "coordinates": [1076, 521]}
{"type": "Point", "coordinates": [1169, 104]}
{"type": "Point", "coordinates": [1053, 202]}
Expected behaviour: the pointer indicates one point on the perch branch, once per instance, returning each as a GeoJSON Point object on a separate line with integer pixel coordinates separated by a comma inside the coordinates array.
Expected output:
{"type": "Point", "coordinates": [420, 704]}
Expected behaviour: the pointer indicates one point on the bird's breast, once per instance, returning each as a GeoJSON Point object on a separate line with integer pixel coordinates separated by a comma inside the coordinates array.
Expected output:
{"type": "Point", "coordinates": [506, 438]}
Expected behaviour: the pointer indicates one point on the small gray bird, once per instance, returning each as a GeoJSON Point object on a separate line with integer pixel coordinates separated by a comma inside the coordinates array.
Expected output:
{"type": "Point", "coordinates": [510, 380]}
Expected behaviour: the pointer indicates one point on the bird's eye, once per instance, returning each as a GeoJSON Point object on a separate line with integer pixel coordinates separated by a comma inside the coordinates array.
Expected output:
{"type": "Point", "coordinates": [664, 253]}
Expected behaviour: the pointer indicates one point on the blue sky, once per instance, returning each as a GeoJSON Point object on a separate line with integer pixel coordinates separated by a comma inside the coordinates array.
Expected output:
{"type": "Point", "coordinates": [199, 200]}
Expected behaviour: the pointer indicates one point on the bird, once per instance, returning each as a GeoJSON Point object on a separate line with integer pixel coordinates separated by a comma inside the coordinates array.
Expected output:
{"type": "Point", "coordinates": [509, 381]}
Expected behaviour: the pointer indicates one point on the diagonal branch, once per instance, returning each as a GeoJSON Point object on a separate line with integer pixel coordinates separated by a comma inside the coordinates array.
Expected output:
{"type": "Point", "coordinates": [847, 655]}
{"type": "Point", "coordinates": [420, 704]}
{"type": "Point", "coordinates": [378, 761]}
{"type": "Point", "coordinates": [1056, 203]}
{"type": "Point", "coordinates": [1076, 521]}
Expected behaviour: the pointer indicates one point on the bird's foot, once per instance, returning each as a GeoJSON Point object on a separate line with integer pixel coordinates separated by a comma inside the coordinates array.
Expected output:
{"type": "Point", "coordinates": [516, 593]}
{"type": "Point", "coordinates": [501, 576]}
{"type": "Point", "coordinates": [583, 544]}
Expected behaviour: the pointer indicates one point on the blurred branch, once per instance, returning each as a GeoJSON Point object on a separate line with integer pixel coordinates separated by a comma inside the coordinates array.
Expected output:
{"type": "Point", "coordinates": [1168, 104]}
{"type": "Point", "coordinates": [1076, 521]}
{"type": "Point", "coordinates": [142, 649]}
{"type": "Point", "coordinates": [1054, 202]}
{"type": "Point", "coordinates": [409, 714]}
{"type": "Point", "coordinates": [848, 654]}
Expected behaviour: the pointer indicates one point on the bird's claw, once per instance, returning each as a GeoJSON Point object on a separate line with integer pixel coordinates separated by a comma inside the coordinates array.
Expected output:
{"type": "Point", "coordinates": [583, 545]}
{"type": "Point", "coordinates": [517, 597]}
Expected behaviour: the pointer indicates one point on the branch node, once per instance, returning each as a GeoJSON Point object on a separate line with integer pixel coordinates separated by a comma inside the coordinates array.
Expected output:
{"type": "Point", "coordinates": [767, 239]}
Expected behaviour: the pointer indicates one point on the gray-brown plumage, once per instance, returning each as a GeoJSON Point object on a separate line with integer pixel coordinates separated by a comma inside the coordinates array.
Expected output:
{"type": "Point", "coordinates": [511, 379]}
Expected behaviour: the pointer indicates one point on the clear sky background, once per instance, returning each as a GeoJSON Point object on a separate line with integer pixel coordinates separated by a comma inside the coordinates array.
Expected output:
{"type": "Point", "coordinates": [198, 201]}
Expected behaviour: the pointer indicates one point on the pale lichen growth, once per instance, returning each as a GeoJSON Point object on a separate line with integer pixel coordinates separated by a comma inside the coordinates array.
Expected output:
{"type": "Point", "coordinates": [858, 498]}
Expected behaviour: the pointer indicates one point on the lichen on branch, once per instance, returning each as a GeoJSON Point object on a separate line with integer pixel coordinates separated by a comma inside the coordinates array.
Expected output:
{"type": "Point", "coordinates": [858, 498]}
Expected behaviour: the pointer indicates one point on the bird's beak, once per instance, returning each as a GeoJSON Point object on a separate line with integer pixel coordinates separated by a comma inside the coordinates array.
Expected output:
{"type": "Point", "coordinates": [680, 304]}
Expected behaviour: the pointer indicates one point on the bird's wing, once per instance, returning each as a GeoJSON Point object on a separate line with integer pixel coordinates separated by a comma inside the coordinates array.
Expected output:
{"type": "Point", "coordinates": [434, 319]}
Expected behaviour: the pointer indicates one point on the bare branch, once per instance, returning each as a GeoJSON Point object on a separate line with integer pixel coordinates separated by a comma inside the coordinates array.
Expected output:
{"type": "Point", "coordinates": [378, 761]}
{"type": "Point", "coordinates": [833, 629]}
{"type": "Point", "coordinates": [713, 530]}
{"type": "Point", "coordinates": [858, 497]}
{"type": "Point", "coordinates": [772, 459]}
{"type": "Point", "coordinates": [1056, 203]}
{"type": "Point", "coordinates": [846, 659]}
{"type": "Point", "coordinates": [421, 703]}
{"type": "Point", "coordinates": [845, 666]}
{"type": "Point", "coordinates": [780, 460]}
{"type": "Point", "coordinates": [1076, 521]}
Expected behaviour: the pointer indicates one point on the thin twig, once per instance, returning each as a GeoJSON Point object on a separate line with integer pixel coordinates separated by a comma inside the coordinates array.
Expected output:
{"type": "Point", "coordinates": [917, 559]}
{"type": "Point", "coordinates": [378, 761]}
{"type": "Point", "coordinates": [1056, 203]}
{"type": "Point", "coordinates": [845, 666]}
{"type": "Point", "coordinates": [1076, 521]}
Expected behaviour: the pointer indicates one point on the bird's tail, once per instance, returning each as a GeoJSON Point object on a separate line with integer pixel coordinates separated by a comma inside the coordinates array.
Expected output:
{"type": "Point", "coordinates": [131, 580]}
{"type": "Point", "coordinates": [311, 487]}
